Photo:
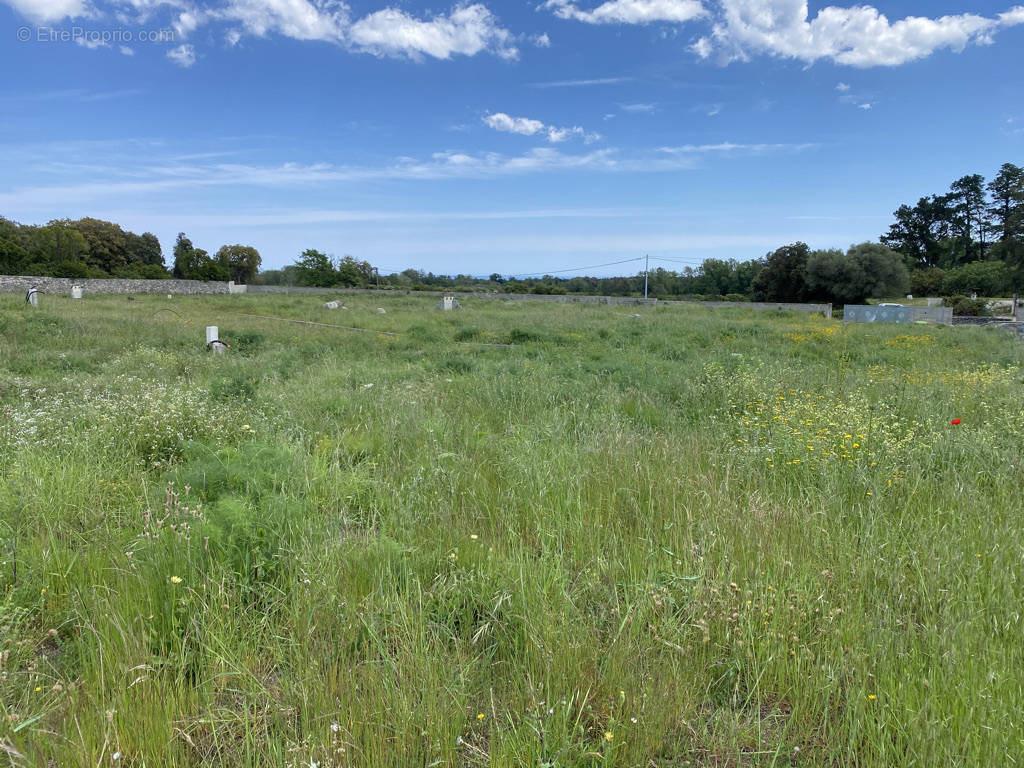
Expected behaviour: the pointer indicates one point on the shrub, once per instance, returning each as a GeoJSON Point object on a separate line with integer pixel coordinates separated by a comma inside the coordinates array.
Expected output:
{"type": "Point", "coordinates": [964, 306]}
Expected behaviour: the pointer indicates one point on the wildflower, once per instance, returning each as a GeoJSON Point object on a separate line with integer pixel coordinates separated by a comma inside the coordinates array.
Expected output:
{"type": "Point", "coordinates": [954, 422]}
{"type": "Point", "coordinates": [39, 688]}
{"type": "Point", "coordinates": [871, 697]}
{"type": "Point", "coordinates": [335, 727]}
{"type": "Point", "coordinates": [473, 536]}
{"type": "Point", "coordinates": [116, 756]}
{"type": "Point", "coordinates": [480, 716]}
{"type": "Point", "coordinates": [608, 736]}
{"type": "Point", "coordinates": [175, 579]}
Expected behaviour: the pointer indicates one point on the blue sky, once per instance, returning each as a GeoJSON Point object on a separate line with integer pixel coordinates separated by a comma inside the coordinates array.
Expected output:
{"type": "Point", "coordinates": [519, 137]}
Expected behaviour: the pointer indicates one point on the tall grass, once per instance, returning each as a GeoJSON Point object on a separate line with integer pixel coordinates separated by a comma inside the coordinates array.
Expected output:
{"type": "Point", "coordinates": [687, 538]}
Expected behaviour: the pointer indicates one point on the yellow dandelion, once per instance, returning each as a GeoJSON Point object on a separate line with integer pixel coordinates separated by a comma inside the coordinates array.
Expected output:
{"type": "Point", "coordinates": [871, 697]}
{"type": "Point", "coordinates": [175, 579]}
{"type": "Point", "coordinates": [480, 716]}
{"type": "Point", "coordinates": [608, 735]}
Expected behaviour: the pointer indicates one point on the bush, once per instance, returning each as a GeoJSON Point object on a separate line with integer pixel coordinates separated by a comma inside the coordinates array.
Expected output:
{"type": "Point", "coordinates": [967, 307]}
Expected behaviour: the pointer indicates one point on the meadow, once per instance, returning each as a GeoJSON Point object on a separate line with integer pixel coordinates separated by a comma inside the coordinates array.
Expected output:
{"type": "Point", "coordinates": [513, 535]}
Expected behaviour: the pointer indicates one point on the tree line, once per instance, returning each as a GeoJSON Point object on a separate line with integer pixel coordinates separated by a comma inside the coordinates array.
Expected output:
{"type": "Point", "coordinates": [88, 248]}
{"type": "Point", "coordinates": [82, 248]}
{"type": "Point", "coordinates": [970, 238]}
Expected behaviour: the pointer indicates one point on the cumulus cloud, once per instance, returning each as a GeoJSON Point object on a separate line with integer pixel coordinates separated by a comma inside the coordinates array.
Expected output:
{"type": "Point", "coordinates": [51, 10]}
{"type": "Point", "coordinates": [467, 30]}
{"type": "Point", "coordinates": [184, 55]}
{"type": "Point", "coordinates": [629, 11]}
{"type": "Point", "coordinates": [298, 19]}
{"type": "Point", "coordinates": [859, 36]}
{"type": "Point", "coordinates": [526, 126]}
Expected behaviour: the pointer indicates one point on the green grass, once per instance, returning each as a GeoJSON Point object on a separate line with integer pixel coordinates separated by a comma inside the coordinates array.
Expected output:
{"type": "Point", "coordinates": [709, 538]}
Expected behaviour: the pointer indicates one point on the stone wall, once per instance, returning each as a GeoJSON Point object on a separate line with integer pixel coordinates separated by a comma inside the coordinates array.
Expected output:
{"type": "Point", "coordinates": [557, 298]}
{"type": "Point", "coordinates": [759, 306]}
{"type": "Point", "coordinates": [62, 285]}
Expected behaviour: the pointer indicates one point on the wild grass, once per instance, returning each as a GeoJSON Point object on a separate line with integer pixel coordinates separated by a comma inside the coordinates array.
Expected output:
{"type": "Point", "coordinates": [709, 538]}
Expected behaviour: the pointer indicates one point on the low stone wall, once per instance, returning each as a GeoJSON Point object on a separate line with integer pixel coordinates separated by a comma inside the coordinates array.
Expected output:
{"type": "Point", "coordinates": [759, 306]}
{"type": "Point", "coordinates": [62, 285]}
{"type": "Point", "coordinates": [557, 298]}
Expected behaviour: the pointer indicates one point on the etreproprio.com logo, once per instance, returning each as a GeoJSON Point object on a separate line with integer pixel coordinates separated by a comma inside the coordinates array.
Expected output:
{"type": "Point", "coordinates": [93, 37]}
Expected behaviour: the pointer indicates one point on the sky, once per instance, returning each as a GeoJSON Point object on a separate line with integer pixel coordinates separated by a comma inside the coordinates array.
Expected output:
{"type": "Point", "coordinates": [514, 137]}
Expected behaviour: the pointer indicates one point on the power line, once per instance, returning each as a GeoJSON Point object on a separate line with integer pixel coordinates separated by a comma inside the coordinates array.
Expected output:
{"type": "Point", "coordinates": [688, 262]}
{"type": "Point", "coordinates": [577, 269]}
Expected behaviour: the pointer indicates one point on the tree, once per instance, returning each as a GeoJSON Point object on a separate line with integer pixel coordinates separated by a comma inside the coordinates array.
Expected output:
{"type": "Point", "coordinates": [868, 270]}
{"type": "Point", "coordinates": [970, 216]}
{"type": "Point", "coordinates": [242, 262]}
{"type": "Point", "coordinates": [351, 272]}
{"type": "Point", "coordinates": [108, 245]}
{"type": "Point", "coordinates": [315, 268]}
{"type": "Point", "coordinates": [207, 268]}
{"type": "Point", "coordinates": [184, 255]}
{"type": "Point", "coordinates": [191, 263]}
{"type": "Point", "coordinates": [782, 278]}
{"type": "Point", "coordinates": [922, 233]}
{"type": "Point", "coordinates": [988, 278]}
{"type": "Point", "coordinates": [59, 245]}
{"type": "Point", "coordinates": [143, 249]}
{"type": "Point", "coordinates": [1007, 190]}
{"type": "Point", "coordinates": [927, 282]}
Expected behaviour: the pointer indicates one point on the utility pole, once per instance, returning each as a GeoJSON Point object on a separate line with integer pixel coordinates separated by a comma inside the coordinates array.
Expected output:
{"type": "Point", "coordinates": [647, 266]}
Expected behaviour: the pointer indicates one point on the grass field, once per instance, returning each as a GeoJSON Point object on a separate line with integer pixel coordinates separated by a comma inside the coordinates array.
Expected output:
{"type": "Point", "coordinates": [705, 538]}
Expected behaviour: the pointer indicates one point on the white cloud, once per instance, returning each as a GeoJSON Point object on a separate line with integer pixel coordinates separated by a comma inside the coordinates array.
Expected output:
{"type": "Point", "coordinates": [186, 22]}
{"type": "Point", "coordinates": [865, 106]}
{"type": "Point", "coordinates": [639, 108]}
{"type": "Point", "coordinates": [523, 125]}
{"type": "Point", "coordinates": [184, 55]}
{"type": "Point", "coordinates": [859, 36]}
{"type": "Point", "coordinates": [630, 11]}
{"type": "Point", "coordinates": [703, 48]}
{"type": "Point", "coordinates": [298, 19]}
{"type": "Point", "coordinates": [729, 147]}
{"type": "Point", "coordinates": [127, 51]}
{"type": "Point", "coordinates": [526, 126]}
{"type": "Point", "coordinates": [842, 87]}
{"type": "Point", "coordinates": [467, 30]}
{"type": "Point", "coordinates": [541, 40]}
{"type": "Point", "coordinates": [583, 83]}
{"type": "Point", "coordinates": [51, 10]}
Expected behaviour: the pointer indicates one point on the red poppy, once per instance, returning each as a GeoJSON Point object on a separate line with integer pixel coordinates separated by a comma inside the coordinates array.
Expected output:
{"type": "Point", "coordinates": [955, 421]}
